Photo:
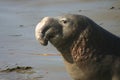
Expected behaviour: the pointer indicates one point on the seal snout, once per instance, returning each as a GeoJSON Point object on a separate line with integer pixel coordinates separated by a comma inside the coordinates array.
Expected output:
{"type": "Point", "coordinates": [43, 29]}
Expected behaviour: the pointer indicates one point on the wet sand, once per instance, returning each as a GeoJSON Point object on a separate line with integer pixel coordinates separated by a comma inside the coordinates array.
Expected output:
{"type": "Point", "coordinates": [18, 46]}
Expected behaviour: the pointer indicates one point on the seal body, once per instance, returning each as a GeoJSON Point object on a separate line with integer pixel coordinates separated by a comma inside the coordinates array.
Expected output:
{"type": "Point", "coordinates": [89, 51]}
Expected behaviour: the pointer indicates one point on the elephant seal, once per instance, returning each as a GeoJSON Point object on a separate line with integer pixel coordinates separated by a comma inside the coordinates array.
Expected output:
{"type": "Point", "coordinates": [89, 51]}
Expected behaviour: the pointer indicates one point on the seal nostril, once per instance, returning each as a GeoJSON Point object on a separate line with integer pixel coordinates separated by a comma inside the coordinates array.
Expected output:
{"type": "Point", "coordinates": [44, 29]}
{"type": "Point", "coordinates": [41, 35]}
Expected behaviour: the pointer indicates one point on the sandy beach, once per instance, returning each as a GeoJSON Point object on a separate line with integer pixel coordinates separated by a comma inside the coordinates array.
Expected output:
{"type": "Point", "coordinates": [18, 46]}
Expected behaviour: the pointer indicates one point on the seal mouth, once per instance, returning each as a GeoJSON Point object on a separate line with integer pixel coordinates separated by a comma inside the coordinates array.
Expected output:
{"type": "Point", "coordinates": [42, 40]}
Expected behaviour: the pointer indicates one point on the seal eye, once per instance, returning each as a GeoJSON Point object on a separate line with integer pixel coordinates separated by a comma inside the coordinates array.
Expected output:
{"type": "Point", "coordinates": [64, 21]}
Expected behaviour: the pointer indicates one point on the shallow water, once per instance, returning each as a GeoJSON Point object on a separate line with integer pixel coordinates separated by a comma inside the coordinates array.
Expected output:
{"type": "Point", "coordinates": [18, 19]}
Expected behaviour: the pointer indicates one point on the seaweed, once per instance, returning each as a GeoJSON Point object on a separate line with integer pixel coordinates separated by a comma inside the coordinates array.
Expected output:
{"type": "Point", "coordinates": [19, 69]}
